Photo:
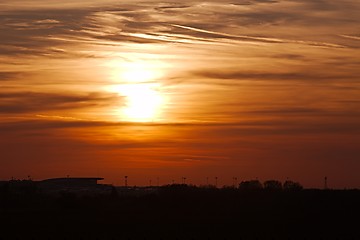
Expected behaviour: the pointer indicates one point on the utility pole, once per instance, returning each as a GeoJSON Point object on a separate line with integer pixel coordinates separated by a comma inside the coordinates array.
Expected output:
{"type": "Point", "coordinates": [234, 182]}
{"type": "Point", "coordinates": [325, 183]}
{"type": "Point", "coordinates": [126, 181]}
{"type": "Point", "coordinates": [183, 180]}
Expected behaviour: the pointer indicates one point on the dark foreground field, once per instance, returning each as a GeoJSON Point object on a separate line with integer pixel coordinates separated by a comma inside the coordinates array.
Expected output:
{"type": "Point", "coordinates": [181, 212]}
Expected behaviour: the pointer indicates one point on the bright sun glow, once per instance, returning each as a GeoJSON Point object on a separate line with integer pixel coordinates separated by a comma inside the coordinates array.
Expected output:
{"type": "Point", "coordinates": [143, 102]}
{"type": "Point", "coordinates": [136, 71]}
{"type": "Point", "coordinates": [143, 98]}
{"type": "Point", "coordinates": [139, 72]}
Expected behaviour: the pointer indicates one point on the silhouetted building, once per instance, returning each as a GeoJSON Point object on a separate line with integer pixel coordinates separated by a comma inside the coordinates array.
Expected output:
{"type": "Point", "coordinates": [19, 186]}
{"type": "Point", "coordinates": [79, 185]}
{"type": "Point", "coordinates": [70, 182]}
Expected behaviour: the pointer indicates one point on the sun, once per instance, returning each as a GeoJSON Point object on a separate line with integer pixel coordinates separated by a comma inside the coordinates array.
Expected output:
{"type": "Point", "coordinates": [143, 102]}
{"type": "Point", "coordinates": [143, 98]}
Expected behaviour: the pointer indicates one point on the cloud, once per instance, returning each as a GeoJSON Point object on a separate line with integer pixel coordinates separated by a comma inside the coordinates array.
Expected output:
{"type": "Point", "coordinates": [351, 37]}
{"type": "Point", "coordinates": [27, 33]}
{"type": "Point", "coordinates": [38, 30]}
{"type": "Point", "coordinates": [5, 76]}
{"type": "Point", "coordinates": [286, 126]}
{"type": "Point", "coordinates": [257, 38]}
{"type": "Point", "coordinates": [33, 102]}
{"type": "Point", "coordinates": [264, 76]}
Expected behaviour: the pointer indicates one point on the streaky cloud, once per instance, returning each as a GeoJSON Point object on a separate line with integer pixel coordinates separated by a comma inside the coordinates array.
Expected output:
{"type": "Point", "coordinates": [286, 126]}
{"type": "Point", "coordinates": [7, 76]}
{"type": "Point", "coordinates": [27, 102]}
{"type": "Point", "coordinates": [262, 39]}
{"type": "Point", "coordinates": [261, 76]}
{"type": "Point", "coordinates": [351, 37]}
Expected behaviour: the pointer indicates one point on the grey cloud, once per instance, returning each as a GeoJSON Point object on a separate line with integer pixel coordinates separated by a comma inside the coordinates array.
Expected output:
{"type": "Point", "coordinates": [229, 129]}
{"type": "Point", "coordinates": [243, 75]}
{"type": "Point", "coordinates": [207, 35]}
{"type": "Point", "coordinates": [37, 125]}
{"type": "Point", "coordinates": [289, 111]}
{"type": "Point", "coordinates": [280, 17]}
{"type": "Point", "coordinates": [302, 111]}
{"type": "Point", "coordinates": [28, 32]}
{"type": "Point", "coordinates": [172, 6]}
{"type": "Point", "coordinates": [5, 76]}
{"type": "Point", "coordinates": [325, 5]}
{"type": "Point", "coordinates": [50, 122]}
{"type": "Point", "coordinates": [33, 102]}
{"type": "Point", "coordinates": [36, 32]}
{"type": "Point", "coordinates": [302, 12]}
{"type": "Point", "coordinates": [289, 56]}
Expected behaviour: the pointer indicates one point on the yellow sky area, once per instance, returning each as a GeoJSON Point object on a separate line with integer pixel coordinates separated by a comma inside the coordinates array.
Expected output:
{"type": "Point", "coordinates": [137, 81]}
{"type": "Point", "coordinates": [167, 87]}
{"type": "Point", "coordinates": [158, 83]}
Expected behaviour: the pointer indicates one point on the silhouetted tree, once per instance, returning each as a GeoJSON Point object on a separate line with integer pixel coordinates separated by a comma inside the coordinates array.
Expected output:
{"type": "Point", "coordinates": [272, 185]}
{"type": "Point", "coordinates": [292, 186]}
{"type": "Point", "coordinates": [250, 185]}
{"type": "Point", "coordinates": [114, 192]}
{"type": "Point", "coordinates": [4, 189]}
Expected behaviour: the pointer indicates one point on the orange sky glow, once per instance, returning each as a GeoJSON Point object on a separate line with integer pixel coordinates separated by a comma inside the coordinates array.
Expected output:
{"type": "Point", "coordinates": [167, 89]}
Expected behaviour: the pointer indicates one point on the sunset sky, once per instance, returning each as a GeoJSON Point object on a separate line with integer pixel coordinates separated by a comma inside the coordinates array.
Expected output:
{"type": "Point", "coordinates": [266, 89]}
